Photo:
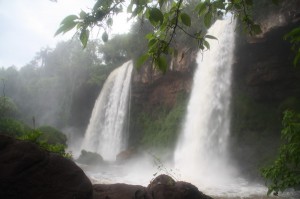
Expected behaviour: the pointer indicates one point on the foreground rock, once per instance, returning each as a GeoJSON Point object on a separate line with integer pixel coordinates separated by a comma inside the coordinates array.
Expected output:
{"type": "Point", "coordinates": [26, 171]}
{"type": "Point", "coordinates": [162, 187]}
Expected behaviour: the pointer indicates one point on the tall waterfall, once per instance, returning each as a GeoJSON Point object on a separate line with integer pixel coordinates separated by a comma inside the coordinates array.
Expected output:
{"type": "Point", "coordinates": [106, 130]}
{"type": "Point", "coordinates": [201, 153]}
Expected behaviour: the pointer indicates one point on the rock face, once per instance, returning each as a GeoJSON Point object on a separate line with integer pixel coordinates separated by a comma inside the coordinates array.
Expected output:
{"type": "Point", "coordinates": [264, 84]}
{"type": "Point", "coordinates": [162, 187]}
{"type": "Point", "coordinates": [26, 171]}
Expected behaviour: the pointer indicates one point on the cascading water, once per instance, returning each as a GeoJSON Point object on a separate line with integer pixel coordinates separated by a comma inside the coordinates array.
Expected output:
{"type": "Point", "coordinates": [201, 153]}
{"type": "Point", "coordinates": [105, 133]}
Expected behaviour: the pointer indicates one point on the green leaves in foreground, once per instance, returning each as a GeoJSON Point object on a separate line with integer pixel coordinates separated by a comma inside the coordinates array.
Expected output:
{"type": "Point", "coordinates": [155, 16]}
{"type": "Point", "coordinates": [67, 24]}
{"type": "Point", "coordinates": [186, 19]}
{"type": "Point", "coordinates": [284, 173]}
{"type": "Point", "coordinates": [294, 38]}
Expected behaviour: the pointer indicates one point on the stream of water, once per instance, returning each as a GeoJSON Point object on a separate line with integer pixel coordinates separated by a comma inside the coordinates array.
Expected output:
{"type": "Point", "coordinates": [106, 133]}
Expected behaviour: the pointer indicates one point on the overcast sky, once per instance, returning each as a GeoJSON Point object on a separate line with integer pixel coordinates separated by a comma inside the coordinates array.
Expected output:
{"type": "Point", "coordinates": [29, 25]}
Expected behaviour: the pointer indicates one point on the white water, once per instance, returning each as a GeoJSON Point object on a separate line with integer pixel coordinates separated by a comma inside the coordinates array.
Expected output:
{"type": "Point", "coordinates": [105, 133]}
{"type": "Point", "coordinates": [201, 155]}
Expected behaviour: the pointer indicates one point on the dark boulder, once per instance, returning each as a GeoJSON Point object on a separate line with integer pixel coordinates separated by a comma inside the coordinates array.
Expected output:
{"type": "Point", "coordinates": [162, 187]}
{"type": "Point", "coordinates": [90, 158]}
{"type": "Point", "coordinates": [26, 171]}
{"type": "Point", "coordinates": [126, 155]}
{"type": "Point", "coordinates": [119, 191]}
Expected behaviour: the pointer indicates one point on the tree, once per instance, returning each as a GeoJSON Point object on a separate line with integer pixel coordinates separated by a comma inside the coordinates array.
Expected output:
{"type": "Point", "coordinates": [167, 18]}
{"type": "Point", "coordinates": [285, 171]}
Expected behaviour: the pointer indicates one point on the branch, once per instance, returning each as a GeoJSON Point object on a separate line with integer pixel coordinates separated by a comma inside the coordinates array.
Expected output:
{"type": "Point", "coordinates": [186, 32]}
{"type": "Point", "coordinates": [176, 22]}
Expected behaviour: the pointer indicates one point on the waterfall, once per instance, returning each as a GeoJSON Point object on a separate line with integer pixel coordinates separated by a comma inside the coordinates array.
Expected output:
{"type": "Point", "coordinates": [201, 153]}
{"type": "Point", "coordinates": [105, 133]}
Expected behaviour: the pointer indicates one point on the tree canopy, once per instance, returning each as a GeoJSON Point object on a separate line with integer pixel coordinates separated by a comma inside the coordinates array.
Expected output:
{"type": "Point", "coordinates": [167, 18]}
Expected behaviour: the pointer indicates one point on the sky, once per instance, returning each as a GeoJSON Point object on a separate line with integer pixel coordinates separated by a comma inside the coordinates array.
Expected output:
{"type": "Point", "coordinates": [27, 26]}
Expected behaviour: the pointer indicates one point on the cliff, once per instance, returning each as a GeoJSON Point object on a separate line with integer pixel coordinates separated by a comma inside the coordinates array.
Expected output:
{"type": "Point", "coordinates": [265, 83]}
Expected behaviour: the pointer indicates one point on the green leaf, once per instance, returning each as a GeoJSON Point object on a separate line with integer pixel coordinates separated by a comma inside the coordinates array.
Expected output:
{"type": "Point", "coordinates": [65, 27]}
{"type": "Point", "coordinates": [186, 19]}
{"type": "Point", "coordinates": [207, 19]}
{"type": "Point", "coordinates": [141, 60]}
{"type": "Point", "coordinates": [206, 44]}
{"type": "Point", "coordinates": [68, 19]}
{"type": "Point", "coordinates": [219, 4]}
{"type": "Point", "coordinates": [210, 37]}
{"type": "Point", "coordinates": [105, 37]}
{"type": "Point", "coordinates": [162, 63]}
{"type": "Point", "coordinates": [82, 14]}
{"type": "Point", "coordinates": [202, 8]}
{"type": "Point", "coordinates": [67, 24]}
{"type": "Point", "coordinates": [296, 59]}
{"type": "Point", "coordinates": [84, 37]}
{"type": "Point", "coordinates": [293, 33]}
{"type": "Point", "coordinates": [156, 16]}
{"type": "Point", "coordinates": [109, 22]}
{"type": "Point", "coordinates": [152, 42]}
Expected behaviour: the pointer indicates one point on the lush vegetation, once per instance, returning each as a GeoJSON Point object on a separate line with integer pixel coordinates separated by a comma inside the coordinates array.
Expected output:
{"type": "Point", "coordinates": [19, 130]}
{"type": "Point", "coordinates": [52, 135]}
{"type": "Point", "coordinates": [161, 126]}
{"type": "Point", "coordinates": [284, 173]}
{"type": "Point", "coordinates": [46, 137]}
{"type": "Point", "coordinates": [36, 137]}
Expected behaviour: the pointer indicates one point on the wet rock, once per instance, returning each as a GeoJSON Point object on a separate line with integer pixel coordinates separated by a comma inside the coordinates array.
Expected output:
{"type": "Point", "coordinates": [162, 187]}
{"type": "Point", "coordinates": [119, 191]}
{"type": "Point", "coordinates": [125, 155]}
{"type": "Point", "coordinates": [90, 158]}
{"type": "Point", "coordinates": [26, 171]}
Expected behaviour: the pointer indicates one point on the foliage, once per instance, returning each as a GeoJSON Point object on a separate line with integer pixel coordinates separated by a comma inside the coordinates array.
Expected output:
{"type": "Point", "coordinates": [7, 107]}
{"type": "Point", "coordinates": [161, 128]}
{"type": "Point", "coordinates": [13, 128]}
{"type": "Point", "coordinates": [294, 38]}
{"type": "Point", "coordinates": [52, 135]}
{"type": "Point", "coordinates": [19, 130]}
{"type": "Point", "coordinates": [254, 116]}
{"type": "Point", "coordinates": [46, 87]}
{"type": "Point", "coordinates": [285, 171]}
{"type": "Point", "coordinates": [35, 137]}
{"type": "Point", "coordinates": [167, 19]}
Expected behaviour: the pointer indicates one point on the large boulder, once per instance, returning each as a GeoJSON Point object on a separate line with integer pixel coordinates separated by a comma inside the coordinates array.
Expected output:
{"type": "Point", "coordinates": [162, 187]}
{"type": "Point", "coordinates": [27, 171]}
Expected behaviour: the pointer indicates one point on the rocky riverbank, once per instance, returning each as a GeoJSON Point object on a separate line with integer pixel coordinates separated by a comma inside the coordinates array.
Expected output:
{"type": "Point", "coordinates": [27, 171]}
